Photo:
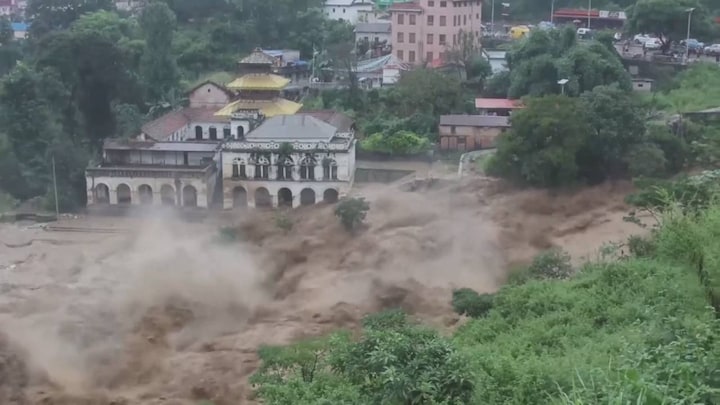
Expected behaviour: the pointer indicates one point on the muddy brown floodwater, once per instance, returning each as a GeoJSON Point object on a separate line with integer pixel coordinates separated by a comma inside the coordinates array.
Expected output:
{"type": "Point", "coordinates": [165, 313]}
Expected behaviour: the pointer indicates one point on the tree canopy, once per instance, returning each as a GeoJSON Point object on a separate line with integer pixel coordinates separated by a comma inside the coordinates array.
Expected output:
{"type": "Point", "coordinates": [668, 19]}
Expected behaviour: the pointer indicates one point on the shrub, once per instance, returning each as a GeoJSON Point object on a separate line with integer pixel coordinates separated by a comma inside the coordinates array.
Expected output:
{"type": "Point", "coordinates": [228, 234]}
{"type": "Point", "coordinates": [646, 160]}
{"type": "Point", "coordinates": [551, 264]}
{"type": "Point", "coordinates": [283, 222]}
{"type": "Point", "coordinates": [352, 212]}
{"type": "Point", "coordinates": [468, 302]}
{"type": "Point", "coordinates": [390, 319]}
{"type": "Point", "coordinates": [640, 247]}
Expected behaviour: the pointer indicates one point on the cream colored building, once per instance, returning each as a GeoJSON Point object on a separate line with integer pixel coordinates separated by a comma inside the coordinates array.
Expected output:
{"type": "Point", "coordinates": [290, 160]}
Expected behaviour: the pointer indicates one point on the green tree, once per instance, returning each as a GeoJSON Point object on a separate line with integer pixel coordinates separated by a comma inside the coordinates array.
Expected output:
{"type": "Point", "coordinates": [352, 212]}
{"type": "Point", "coordinates": [668, 19]}
{"type": "Point", "coordinates": [6, 31]}
{"type": "Point", "coordinates": [468, 302]}
{"type": "Point", "coordinates": [158, 65]}
{"type": "Point", "coordinates": [647, 160]}
{"type": "Point", "coordinates": [542, 147]}
{"type": "Point", "coordinates": [47, 16]}
{"type": "Point", "coordinates": [617, 119]}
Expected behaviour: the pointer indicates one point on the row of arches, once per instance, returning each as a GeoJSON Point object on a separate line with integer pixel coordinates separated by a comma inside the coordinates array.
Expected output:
{"type": "Point", "coordinates": [213, 133]}
{"type": "Point", "coordinates": [285, 197]}
{"type": "Point", "coordinates": [145, 195]}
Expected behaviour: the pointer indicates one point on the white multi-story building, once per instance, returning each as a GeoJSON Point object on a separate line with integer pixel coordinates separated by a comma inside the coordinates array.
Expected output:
{"type": "Point", "coordinates": [347, 10]}
{"type": "Point", "coordinates": [290, 160]}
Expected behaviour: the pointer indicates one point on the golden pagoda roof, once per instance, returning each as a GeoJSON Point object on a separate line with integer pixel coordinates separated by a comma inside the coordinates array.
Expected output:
{"type": "Point", "coordinates": [254, 81]}
{"type": "Point", "coordinates": [269, 108]}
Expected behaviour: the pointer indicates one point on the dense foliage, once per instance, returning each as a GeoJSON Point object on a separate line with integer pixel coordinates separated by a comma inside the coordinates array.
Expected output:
{"type": "Point", "coordinates": [352, 212]}
{"type": "Point", "coordinates": [668, 19]}
{"type": "Point", "coordinates": [639, 329]}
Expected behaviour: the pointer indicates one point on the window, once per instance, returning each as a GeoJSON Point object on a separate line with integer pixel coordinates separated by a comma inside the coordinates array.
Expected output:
{"type": "Point", "coordinates": [464, 20]}
{"type": "Point", "coordinates": [235, 170]}
{"type": "Point", "coordinates": [284, 167]}
{"type": "Point", "coordinates": [307, 168]}
{"type": "Point", "coordinates": [401, 18]}
{"type": "Point", "coordinates": [213, 134]}
{"type": "Point", "coordinates": [431, 20]}
{"type": "Point", "coordinates": [400, 37]}
{"type": "Point", "coordinates": [400, 54]}
{"type": "Point", "coordinates": [412, 19]}
{"type": "Point", "coordinates": [243, 174]}
{"type": "Point", "coordinates": [443, 21]}
{"type": "Point", "coordinates": [429, 39]}
{"type": "Point", "coordinates": [226, 133]}
{"type": "Point", "coordinates": [262, 168]}
{"type": "Point", "coordinates": [198, 132]}
{"type": "Point", "coordinates": [441, 39]}
{"type": "Point", "coordinates": [240, 132]}
{"type": "Point", "coordinates": [412, 37]}
{"type": "Point", "coordinates": [454, 39]}
{"type": "Point", "coordinates": [453, 130]}
{"type": "Point", "coordinates": [429, 57]}
{"type": "Point", "coordinates": [411, 56]}
{"type": "Point", "coordinates": [477, 16]}
{"type": "Point", "coordinates": [443, 4]}
{"type": "Point", "coordinates": [329, 169]}
{"type": "Point", "coordinates": [431, 3]}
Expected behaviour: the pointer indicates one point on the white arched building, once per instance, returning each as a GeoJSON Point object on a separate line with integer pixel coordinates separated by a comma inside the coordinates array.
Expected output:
{"type": "Point", "coordinates": [290, 160]}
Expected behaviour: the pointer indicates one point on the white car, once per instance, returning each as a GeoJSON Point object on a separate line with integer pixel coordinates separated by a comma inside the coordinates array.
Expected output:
{"type": "Point", "coordinates": [712, 50]}
{"type": "Point", "coordinates": [653, 44]}
{"type": "Point", "coordinates": [642, 38]}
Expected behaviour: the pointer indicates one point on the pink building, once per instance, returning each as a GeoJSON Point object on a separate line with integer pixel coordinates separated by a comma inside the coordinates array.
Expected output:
{"type": "Point", "coordinates": [423, 30]}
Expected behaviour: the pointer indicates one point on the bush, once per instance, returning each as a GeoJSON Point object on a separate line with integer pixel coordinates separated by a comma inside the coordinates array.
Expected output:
{"type": "Point", "coordinates": [400, 143]}
{"type": "Point", "coordinates": [551, 264]}
{"type": "Point", "coordinates": [282, 221]}
{"type": "Point", "coordinates": [646, 160]}
{"type": "Point", "coordinates": [468, 302]}
{"type": "Point", "coordinates": [352, 212]}
{"type": "Point", "coordinates": [640, 247]}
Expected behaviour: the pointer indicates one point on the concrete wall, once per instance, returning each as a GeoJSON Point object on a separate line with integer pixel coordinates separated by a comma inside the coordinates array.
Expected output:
{"type": "Point", "coordinates": [468, 138]}
{"type": "Point", "coordinates": [208, 95]}
{"type": "Point", "coordinates": [343, 10]}
{"type": "Point", "coordinates": [203, 187]}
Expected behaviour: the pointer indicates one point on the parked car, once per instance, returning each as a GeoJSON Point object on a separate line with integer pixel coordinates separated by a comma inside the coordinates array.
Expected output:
{"type": "Point", "coordinates": [653, 44]}
{"type": "Point", "coordinates": [712, 50]}
{"type": "Point", "coordinates": [693, 45]}
{"type": "Point", "coordinates": [642, 38]}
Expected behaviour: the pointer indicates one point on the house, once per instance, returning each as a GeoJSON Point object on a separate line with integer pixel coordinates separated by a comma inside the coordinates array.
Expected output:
{"type": "Point", "coordinates": [347, 10]}
{"type": "Point", "coordinates": [497, 60]}
{"type": "Point", "coordinates": [290, 160]}
{"type": "Point", "coordinates": [20, 30]}
{"type": "Point", "coordinates": [8, 7]}
{"type": "Point", "coordinates": [641, 84]}
{"type": "Point", "coordinates": [376, 32]}
{"type": "Point", "coordinates": [424, 30]}
{"type": "Point", "coordinates": [497, 106]}
{"type": "Point", "coordinates": [153, 173]}
{"type": "Point", "coordinates": [599, 19]}
{"type": "Point", "coordinates": [470, 132]}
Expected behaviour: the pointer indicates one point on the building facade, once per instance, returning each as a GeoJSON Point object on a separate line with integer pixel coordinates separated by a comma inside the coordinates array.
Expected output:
{"type": "Point", "coordinates": [154, 173]}
{"type": "Point", "coordinates": [471, 132]}
{"type": "Point", "coordinates": [289, 161]}
{"type": "Point", "coordinates": [424, 30]}
{"type": "Point", "coordinates": [347, 10]}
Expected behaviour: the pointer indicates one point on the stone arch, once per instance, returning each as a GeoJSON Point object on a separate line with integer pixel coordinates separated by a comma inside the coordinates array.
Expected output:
{"type": "Point", "coordinates": [262, 198]}
{"type": "Point", "coordinates": [330, 196]}
{"type": "Point", "coordinates": [285, 197]}
{"type": "Point", "coordinates": [198, 132]}
{"type": "Point", "coordinates": [239, 197]}
{"type": "Point", "coordinates": [240, 132]}
{"type": "Point", "coordinates": [189, 196]}
{"type": "Point", "coordinates": [124, 195]}
{"type": "Point", "coordinates": [102, 194]}
{"type": "Point", "coordinates": [307, 196]}
{"type": "Point", "coordinates": [145, 193]}
{"type": "Point", "coordinates": [167, 194]}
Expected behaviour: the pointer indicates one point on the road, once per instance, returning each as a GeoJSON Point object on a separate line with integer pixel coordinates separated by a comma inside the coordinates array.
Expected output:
{"type": "Point", "coordinates": [636, 52]}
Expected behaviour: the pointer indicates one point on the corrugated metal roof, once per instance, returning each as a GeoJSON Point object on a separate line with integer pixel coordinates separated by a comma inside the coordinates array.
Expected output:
{"type": "Point", "coordinates": [269, 108]}
{"type": "Point", "coordinates": [293, 127]}
{"type": "Point", "coordinates": [380, 27]}
{"type": "Point", "coordinates": [161, 128]}
{"type": "Point", "coordinates": [258, 57]}
{"type": "Point", "coordinates": [337, 119]}
{"type": "Point", "coordinates": [259, 82]}
{"type": "Point", "coordinates": [475, 121]}
{"type": "Point", "coordinates": [112, 144]}
{"type": "Point", "coordinates": [497, 103]}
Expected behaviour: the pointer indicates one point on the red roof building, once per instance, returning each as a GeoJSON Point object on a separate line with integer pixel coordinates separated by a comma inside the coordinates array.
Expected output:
{"type": "Point", "coordinates": [717, 20]}
{"type": "Point", "coordinates": [497, 104]}
{"type": "Point", "coordinates": [598, 18]}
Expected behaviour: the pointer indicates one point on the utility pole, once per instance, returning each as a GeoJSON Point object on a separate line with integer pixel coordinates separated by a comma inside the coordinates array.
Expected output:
{"type": "Point", "coordinates": [552, 11]}
{"type": "Point", "coordinates": [492, 17]}
{"type": "Point", "coordinates": [589, 8]}
{"type": "Point", "coordinates": [687, 41]}
{"type": "Point", "coordinates": [57, 207]}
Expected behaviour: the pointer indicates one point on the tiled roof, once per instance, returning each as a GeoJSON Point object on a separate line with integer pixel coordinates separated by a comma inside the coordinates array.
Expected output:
{"type": "Point", "coordinates": [376, 27]}
{"type": "Point", "coordinates": [259, 82]}
{"type": "Point", "coordinates": [475, 121]}
{"type": "Point", "coordinates": [292, 127]}
{"type": "Point", "coordinates": [222, 88]}
{"type": "Point", "coordinates": [258, 57]}
{"type": "Point", "coordinates": [337, 119]}
{"type": "Point", "coordinates": [162, 128]}
{"type": "Point", "coordinates": [269, 108]}
{"type": "Point", "coordinates": [497, 103]}
{"type": "Point", "coordinates": [408, 6]}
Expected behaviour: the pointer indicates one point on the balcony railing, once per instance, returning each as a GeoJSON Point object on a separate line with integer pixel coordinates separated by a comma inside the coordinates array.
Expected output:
{"type": "Point", "coordinates": [169, 172]}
